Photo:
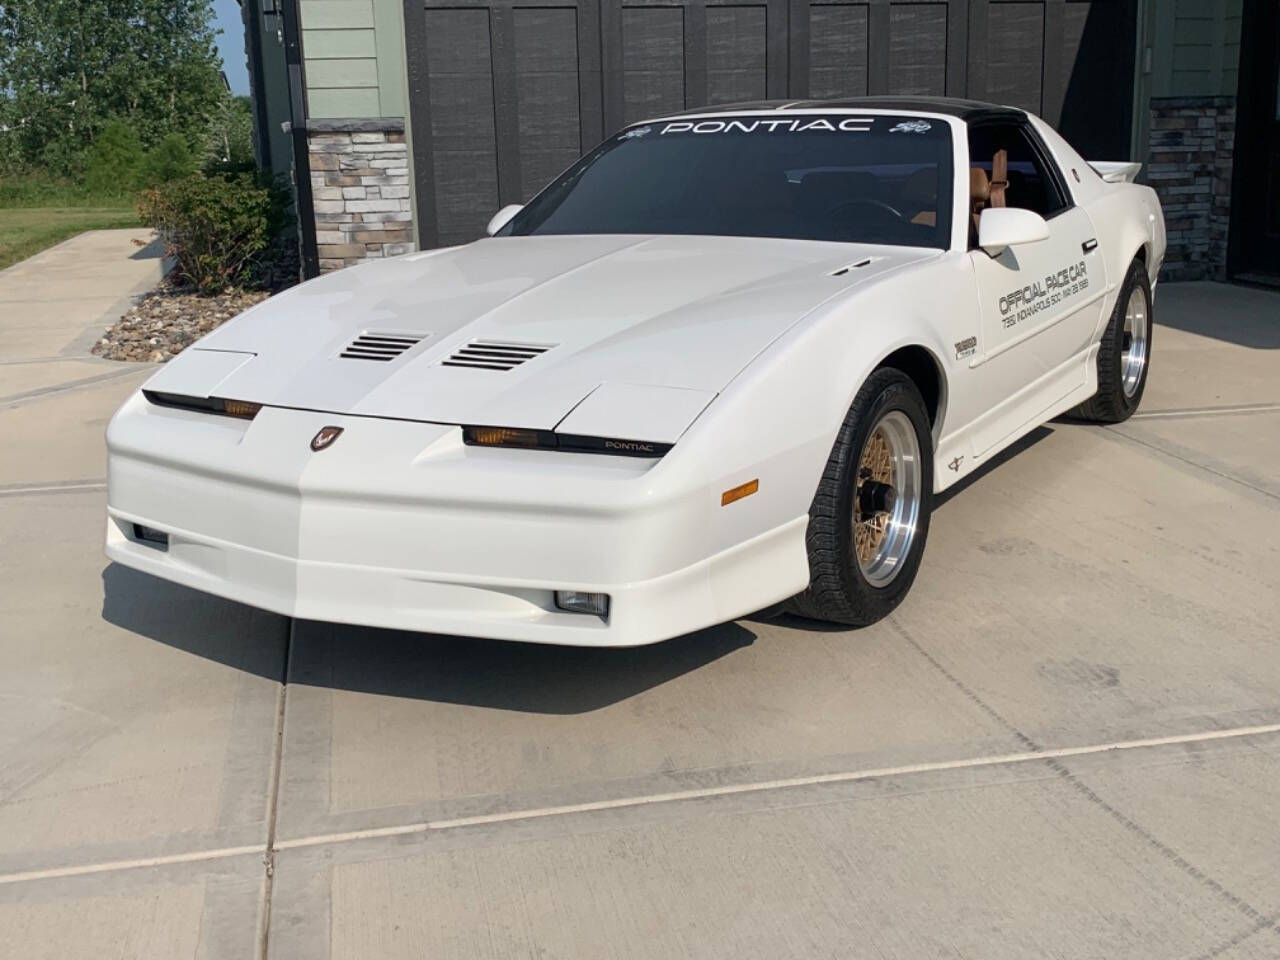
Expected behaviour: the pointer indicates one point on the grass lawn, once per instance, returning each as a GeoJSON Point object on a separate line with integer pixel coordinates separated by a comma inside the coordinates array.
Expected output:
{"type": "Point", "coordinates": [27, 231]}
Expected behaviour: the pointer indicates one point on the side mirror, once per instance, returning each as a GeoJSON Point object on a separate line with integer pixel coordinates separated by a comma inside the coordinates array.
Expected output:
{"type": "Point", "coordinates": [1001, 227]}
{"type": "Point", "coordinates": [503, 217]}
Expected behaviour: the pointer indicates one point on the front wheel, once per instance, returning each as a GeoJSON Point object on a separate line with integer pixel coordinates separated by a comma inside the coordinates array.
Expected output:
{"type": "Point", "coordinates": [870, 516]}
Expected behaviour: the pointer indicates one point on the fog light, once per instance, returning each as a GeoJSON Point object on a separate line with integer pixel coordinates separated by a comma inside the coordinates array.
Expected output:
{"type": "Point", "coordinates": [576, 602]}
{"type": "Point", "coordinates": [151, 535]}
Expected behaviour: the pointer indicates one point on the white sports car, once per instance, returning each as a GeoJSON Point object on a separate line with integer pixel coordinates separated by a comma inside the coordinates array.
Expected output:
{"type": "Point", "coordinates": [726, 360]}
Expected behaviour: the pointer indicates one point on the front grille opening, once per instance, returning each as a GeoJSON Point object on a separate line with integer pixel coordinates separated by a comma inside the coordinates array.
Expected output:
{"type": "Point", "coordinates": [495, 354]}
{"type": "Point", "coordinates": [382, 347]}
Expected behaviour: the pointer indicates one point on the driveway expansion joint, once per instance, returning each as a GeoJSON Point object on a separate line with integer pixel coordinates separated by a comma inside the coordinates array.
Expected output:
{"type": "Point", "coordinates": [1053, 758]}
{"type": "Point", "coordinates": [273, 799]}
{"type": "Point", "coordinates": [18, 399]}
{"type": "Point", "coordinates": [37, 489]}
{"type": "Point", "coordinates": [1115, 431]}
{"type": "Point", "coordinates": [1040, 754]}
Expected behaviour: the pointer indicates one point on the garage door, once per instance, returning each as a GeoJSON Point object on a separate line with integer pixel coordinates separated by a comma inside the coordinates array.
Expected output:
{"type": "Point", "coordinates": [504, 94]}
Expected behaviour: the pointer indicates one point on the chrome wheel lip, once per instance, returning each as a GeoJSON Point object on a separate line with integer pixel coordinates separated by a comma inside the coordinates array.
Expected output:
{"type": "Point", "coordinates": [891, 554]}
{"type": "Point", "coordinates": [1133, 359]}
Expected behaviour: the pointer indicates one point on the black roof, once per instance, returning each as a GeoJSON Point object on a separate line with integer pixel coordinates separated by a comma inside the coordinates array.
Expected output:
{"type": "Point", "coordinates": [967, 110]}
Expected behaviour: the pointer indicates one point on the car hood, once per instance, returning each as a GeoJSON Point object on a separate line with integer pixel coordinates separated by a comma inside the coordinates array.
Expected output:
{"type": "Point", "coordinates": [650, 327]}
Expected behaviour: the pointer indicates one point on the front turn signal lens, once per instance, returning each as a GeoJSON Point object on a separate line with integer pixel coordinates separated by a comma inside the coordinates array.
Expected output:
{"type": "Point", "coordinates": [240, 408]}
{"type": "Point", "coordinates": [507, 437]}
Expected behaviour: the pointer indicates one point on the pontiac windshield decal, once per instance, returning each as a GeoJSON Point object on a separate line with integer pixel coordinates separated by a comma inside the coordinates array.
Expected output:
{"type": "Point", "coordinates": [764, 125]}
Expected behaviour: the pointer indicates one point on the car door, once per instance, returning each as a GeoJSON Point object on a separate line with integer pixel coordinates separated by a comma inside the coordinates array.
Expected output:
{"type": "Point", "coordinates": [1039, 302]}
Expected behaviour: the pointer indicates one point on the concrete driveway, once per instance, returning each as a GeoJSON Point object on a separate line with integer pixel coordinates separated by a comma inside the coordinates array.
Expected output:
{"type": "Point", "coordinates": [1064, 745]}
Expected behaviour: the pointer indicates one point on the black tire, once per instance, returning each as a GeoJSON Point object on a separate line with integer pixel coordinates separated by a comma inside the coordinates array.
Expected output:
{"type": "Point", "coordinates": [838, 591]}
{"type": "Point", "coordinates": [1111, 404]}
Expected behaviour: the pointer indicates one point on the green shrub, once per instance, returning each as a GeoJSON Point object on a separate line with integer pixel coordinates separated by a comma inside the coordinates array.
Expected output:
{"type": "Point", "coordinates": [115, 160]}
{"type": "Point", "coordinates": [221, 231]}
{"type": "Point", "coordinates": [170, 159]}
{"type": "Point", "coordinates": [64, 158]}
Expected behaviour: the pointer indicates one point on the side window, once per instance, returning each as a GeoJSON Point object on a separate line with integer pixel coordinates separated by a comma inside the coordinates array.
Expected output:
{"type": "Point", "coordinates": [1015, 173]}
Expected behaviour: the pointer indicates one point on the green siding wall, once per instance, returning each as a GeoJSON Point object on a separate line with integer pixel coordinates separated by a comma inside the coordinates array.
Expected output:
{"type": "Point", "coordinates": [354, 51]}
{"type": "Point", "coordinates": [1195, 48]}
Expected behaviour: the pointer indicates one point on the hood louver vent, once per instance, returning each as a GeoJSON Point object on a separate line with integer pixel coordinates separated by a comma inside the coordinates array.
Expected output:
{"type": "Point", "coordinates": [495, 354]}
{"type": "Point", "coordinates": [379, 346]}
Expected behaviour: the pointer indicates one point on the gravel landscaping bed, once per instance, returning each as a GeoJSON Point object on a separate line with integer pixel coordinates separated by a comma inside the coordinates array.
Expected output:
{"type": "Point", "coordinates": [168, 320]}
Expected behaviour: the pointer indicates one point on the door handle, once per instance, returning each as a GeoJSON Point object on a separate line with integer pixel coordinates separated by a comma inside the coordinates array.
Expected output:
{"type": "Point", "coordinates": [1089, 245]}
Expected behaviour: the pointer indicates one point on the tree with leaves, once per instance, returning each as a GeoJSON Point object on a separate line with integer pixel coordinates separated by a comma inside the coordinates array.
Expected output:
{"type": "Point", "coordinates": [70, 67]}
{"type": "Point", "coordinates": [229, 139]}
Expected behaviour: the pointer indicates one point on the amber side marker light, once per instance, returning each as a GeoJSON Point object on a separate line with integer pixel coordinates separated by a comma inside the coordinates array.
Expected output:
{"type": "Point", "coordinates": [737, 493]}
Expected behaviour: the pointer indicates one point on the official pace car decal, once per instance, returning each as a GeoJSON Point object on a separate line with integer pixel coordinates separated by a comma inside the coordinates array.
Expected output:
{"type": "Point", "coordinates": [1041, 295]}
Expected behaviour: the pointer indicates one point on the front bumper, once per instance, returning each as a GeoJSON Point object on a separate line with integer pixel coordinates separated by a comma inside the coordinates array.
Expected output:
{"type": "Point", "coordinates": [399, 525]}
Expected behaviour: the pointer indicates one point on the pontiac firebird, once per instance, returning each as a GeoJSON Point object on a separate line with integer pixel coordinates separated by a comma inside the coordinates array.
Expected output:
{"type": "Point", "coordinates": [724, 361]}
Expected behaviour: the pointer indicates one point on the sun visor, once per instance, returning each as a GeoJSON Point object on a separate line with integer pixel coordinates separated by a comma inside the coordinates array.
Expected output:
{"type": "Point", "coordinates": [197, 373]}
{"type": "Point", "coordinates": [633, 412]}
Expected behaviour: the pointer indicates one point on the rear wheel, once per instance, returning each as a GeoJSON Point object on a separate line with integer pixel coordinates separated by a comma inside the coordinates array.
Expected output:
{"type": "Point", "coordinates": [1125, 355]}
{"type": "Point", "coordinates": [870, 516]}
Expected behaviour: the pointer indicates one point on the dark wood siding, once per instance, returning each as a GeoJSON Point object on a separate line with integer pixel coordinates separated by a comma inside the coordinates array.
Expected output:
{"type": "Point", "coordinates": [464, 155]}
{"type": "Point", "coordinates": [548, 111]}
{"type": "Point", "coordinates": [1015, 53]}
{"type": "Point", "coordinates": [737, 41]}
{"type": "Point", "coordinates": [838, 50]}
{"type": "Point", "coordinates": [918, 49]}
{"type": "Point", "coordinates": [504, 94]}
{"type": "Point", "coordinates": [652, 61]}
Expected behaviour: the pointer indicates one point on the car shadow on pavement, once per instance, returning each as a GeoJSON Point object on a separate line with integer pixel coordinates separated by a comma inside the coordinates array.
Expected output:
{"type": "Point", "coordinates": [1004, 456]}
{"type": "Point", "coordinates": [530, 678]}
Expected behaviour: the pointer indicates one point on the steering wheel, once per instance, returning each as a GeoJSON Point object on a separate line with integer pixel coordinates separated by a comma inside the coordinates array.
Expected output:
{"type": "Point", "coordinates": [835, 212]}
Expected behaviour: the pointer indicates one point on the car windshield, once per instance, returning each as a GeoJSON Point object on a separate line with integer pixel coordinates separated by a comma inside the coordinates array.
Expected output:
{"type": "Point", "coordinates": [869, 179]}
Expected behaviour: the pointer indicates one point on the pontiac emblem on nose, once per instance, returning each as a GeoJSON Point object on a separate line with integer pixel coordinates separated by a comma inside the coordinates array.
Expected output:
{"type": "Point", "coordinates": [325, 438]}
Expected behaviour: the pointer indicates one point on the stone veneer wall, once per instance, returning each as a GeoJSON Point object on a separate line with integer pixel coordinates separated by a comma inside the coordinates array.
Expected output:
{"type": "Point", "coordinates": [1192, 141]}
{"type": "Point", "coordinates": [360, 192]}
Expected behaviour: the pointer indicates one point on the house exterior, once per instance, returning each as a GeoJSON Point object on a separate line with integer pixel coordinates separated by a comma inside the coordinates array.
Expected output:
{"type": "Point", "coordinates": [407, 123]}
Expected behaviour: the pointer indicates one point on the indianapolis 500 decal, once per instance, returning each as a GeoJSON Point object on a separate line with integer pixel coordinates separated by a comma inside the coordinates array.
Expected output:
{"type": "Point", "coordinates": [1041, 295]}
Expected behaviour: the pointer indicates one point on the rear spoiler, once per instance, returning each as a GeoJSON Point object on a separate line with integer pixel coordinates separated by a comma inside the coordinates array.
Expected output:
{"type": "Point", "coordinates": [1116, 171]}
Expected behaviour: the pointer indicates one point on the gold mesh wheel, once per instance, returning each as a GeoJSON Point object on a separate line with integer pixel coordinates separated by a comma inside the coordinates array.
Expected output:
{"type": "Point", "coordinates": [886, 498]}
{"type": "Point", "coordinates": [876, 465]}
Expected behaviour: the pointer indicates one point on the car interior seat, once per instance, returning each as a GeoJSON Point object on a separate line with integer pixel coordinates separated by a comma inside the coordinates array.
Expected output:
{"type": "Point", "coordinates": [987, 191]}
{"type": "Point", "coordinates": [999, 179]}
